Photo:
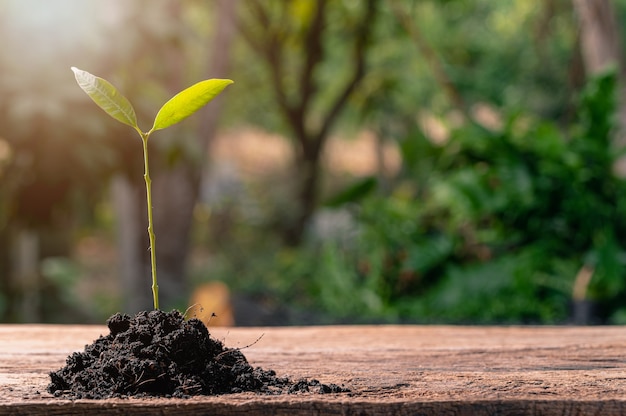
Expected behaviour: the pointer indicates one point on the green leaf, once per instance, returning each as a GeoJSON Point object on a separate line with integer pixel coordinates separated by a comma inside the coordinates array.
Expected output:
{"type": "Point", "coordinates": [107, 97]}
{"type": "Point", "coordinates": [188, 101]}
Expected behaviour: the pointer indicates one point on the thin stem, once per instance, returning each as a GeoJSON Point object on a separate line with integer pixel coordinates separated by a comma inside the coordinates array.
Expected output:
{"type": "Point", "coordinates": [146, 176]}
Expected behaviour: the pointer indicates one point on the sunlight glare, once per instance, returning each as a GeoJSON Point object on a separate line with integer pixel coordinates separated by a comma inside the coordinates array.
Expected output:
{"type": "Point", "coordinates": [48, 27]}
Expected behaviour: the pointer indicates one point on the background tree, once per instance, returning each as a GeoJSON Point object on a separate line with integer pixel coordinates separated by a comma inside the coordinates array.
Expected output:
{"type": "Point", "coordinates": [292, 41]}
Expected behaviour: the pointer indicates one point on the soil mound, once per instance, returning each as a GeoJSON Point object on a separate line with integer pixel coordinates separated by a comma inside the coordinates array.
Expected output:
{"type": "Point", "coordinates": [159, 353]}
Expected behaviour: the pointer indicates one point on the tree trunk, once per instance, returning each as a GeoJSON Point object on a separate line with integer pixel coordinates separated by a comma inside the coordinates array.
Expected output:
{"type": "Point", "coordinates": [132, 242]}
{"type": "Point", "coordinates": [599, 34]}
{"type": "Point", "coordinates": [601, 48]}
{"type": "Point", "coordinates": [296, 103]}
{"type": "Point", "coordinates": [308, 174]}
{"type": "Point", "coordinates": [174, 196]}
{"type": "Point", "coordinates": [26, 274]}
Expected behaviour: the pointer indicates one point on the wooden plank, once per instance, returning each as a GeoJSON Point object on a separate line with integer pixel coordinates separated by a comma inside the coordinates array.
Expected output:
{"type": "Point", "coordinates": [404, 370]}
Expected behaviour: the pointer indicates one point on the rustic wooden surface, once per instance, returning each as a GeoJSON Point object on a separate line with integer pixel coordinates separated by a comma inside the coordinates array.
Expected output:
{"type": "Point", "coordinates": [404, 370]}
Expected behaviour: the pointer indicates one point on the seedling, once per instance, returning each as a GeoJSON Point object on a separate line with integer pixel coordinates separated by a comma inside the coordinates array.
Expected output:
{"type": "Point", "coordinates": [178, 108]}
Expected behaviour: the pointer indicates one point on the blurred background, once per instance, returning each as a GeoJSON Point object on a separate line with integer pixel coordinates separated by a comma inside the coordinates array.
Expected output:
{"type": "Point", "coordinates": [376, 161]}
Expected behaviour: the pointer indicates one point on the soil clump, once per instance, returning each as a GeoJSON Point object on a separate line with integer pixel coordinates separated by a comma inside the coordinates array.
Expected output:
{"type": "Point", "coordinates": [156, 353]}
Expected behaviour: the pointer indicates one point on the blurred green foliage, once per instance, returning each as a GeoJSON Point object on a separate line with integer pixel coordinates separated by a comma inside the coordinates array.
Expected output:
{"type": "Point", "coordinates": [504, 222]}
{"type": "Point", "coordinates": [490, 225]}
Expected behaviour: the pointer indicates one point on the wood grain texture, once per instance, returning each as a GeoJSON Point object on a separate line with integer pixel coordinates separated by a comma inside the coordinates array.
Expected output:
{"type": "Point", "coordinates": [403, 370]}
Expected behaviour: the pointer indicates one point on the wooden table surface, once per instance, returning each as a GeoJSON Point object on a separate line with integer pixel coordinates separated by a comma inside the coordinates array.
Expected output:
{"type": "Point", "coordinates": [404, 370]}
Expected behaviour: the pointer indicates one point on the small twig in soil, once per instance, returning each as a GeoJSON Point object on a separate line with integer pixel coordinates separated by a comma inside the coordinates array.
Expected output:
{"type": "Point", "coordinates": [213, 315]}
{"type": "Point", "coordinates": [240, 348]}
{"type": "Point", "coordinates": [189, 308]}
{"type": "Point", "coordinates": [151, 380]}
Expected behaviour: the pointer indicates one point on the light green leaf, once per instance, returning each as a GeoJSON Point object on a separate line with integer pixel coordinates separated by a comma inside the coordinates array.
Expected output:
{"type": "Point", "coordinates": [107, 97]}
{"type": "Point", "coordinates": [188, 101]}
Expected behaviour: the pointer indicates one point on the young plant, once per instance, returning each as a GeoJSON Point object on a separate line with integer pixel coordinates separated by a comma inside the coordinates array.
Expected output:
{"type": "Point", "coordinates": [179, 107]}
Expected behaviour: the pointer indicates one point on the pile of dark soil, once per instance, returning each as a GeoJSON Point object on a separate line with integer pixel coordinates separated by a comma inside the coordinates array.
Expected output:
{"type": "Point", "coordinates": [159, 353]}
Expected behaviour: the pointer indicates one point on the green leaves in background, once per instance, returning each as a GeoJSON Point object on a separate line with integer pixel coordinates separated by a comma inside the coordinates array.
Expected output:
{"type": "Point", "coordinates": [188, 101]}
{"type": "Point", "coordinates": [107, 97]}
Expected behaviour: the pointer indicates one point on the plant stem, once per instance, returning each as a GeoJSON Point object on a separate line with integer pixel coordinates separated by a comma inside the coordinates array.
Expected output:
{"type": "Point", "coordinates": [146, 176]}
